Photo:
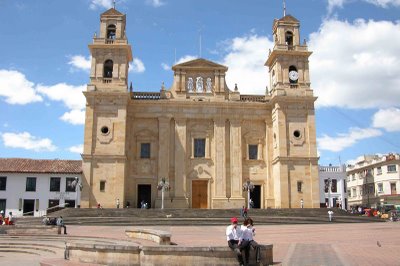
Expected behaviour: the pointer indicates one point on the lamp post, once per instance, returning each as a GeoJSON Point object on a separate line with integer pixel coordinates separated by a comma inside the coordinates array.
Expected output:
{"type": "Point", "coordinates": [329, 191]}
{"type": "Point", "coordinates": [78, 186]}
{"type": "Point", "coordinates": [248, 186]}
{"type": "Point", "coordinates": [163, 185]}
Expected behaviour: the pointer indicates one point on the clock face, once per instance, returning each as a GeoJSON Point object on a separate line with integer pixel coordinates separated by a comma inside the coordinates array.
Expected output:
{"type": "Point", "coordinates": [293, 75]}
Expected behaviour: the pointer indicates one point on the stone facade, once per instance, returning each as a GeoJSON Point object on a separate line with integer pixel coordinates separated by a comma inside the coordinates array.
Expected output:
{"type": "Point", "coordinates": [203, 138]}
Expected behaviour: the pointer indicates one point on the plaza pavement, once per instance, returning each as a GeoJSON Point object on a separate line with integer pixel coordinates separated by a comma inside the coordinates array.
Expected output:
{"type": "Point", "coordinates": [310, 244]}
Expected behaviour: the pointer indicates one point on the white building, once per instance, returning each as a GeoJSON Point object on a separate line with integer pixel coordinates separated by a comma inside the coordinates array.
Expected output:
{"type": "Point", "coordinates": [30, 186]}
{"type": "Point", "coordinates": [374, 180]}
{"type": "Point", "coordinates": [333, 192]}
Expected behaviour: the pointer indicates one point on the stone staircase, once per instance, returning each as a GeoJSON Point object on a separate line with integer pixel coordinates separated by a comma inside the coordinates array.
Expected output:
{"type": "Point", "coordinates": [202, 217]}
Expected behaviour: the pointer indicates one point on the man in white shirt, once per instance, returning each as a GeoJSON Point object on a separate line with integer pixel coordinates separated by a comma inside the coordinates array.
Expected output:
{"type": "Point", "coordinates": [248, 232]}
{"type": "Point", "coordinates": [233, 236]}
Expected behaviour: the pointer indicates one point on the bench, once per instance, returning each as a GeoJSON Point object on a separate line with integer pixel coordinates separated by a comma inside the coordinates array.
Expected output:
{"type": "Point", "coordinates": [32, 230]}
{"type": "Point", "coordinates": [157, 236]}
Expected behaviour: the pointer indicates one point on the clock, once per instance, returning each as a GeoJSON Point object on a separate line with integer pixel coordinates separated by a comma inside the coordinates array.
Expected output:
{"type": "Point", "coordinates": [293, 75]}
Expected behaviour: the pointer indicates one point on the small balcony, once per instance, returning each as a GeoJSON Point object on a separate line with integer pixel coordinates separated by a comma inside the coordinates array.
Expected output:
{"type": "Point", "coordinates": [107, 80]}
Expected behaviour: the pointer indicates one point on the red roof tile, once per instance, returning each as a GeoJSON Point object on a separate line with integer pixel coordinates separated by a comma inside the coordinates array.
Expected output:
{"type": "Point", "coordinates": [20, 165]}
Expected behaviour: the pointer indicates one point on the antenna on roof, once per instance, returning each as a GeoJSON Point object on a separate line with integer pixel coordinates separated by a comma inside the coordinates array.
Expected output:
{"type": "Point", "coordinates": [175, 56]}
{"type": "Point", "coordinates": [200, 46]}
{"type": "Point", "coordinates": [114, 4]}
{"type": "Point", "coordinates": [284, 8]}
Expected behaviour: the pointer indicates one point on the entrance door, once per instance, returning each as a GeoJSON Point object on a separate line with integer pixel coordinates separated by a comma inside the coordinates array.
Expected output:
{"type": "Point", "coordinates": [255, 196]}
{"type": "Point", "coordinates": [199, 194]}
{"type": "Point", "coordinates": [69, 203]}
{"type": "Point", "coordinates": [393, 188]}
{"type": "Point", "coordinates": [144, 194]}
{"type": "Point", "coordinates": [29, 206]}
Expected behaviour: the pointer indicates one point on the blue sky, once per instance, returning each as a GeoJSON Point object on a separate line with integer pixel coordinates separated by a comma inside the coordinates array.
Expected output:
{"type": "Point", "coordinates": [354, 67]}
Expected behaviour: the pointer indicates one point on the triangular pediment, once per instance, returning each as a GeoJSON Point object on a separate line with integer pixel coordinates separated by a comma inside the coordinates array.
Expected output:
{"type": "Point", "coordinates": [199, 63]}
{"type": "Point", "coordinates": [112, 12]}
{"type": "Point", "coordinates": [289, 18]}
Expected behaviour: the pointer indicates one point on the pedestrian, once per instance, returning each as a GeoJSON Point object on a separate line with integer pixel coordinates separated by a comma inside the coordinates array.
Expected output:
{"type": "Point", "coordinates": [233, 236]}
{"type": "Point", "coordinates": [117, 203]}
{"type": "Point", "coordinates": [302, 203]}
{"type": "Point", "coordinates": [251, 203]}
{"type": "Point", "coordinates": [242, 212]}
{"type": "Point", "coordinates": [330, 215]}
{"type": "Point", "coordinates": [128, 204]}
{"type": "Point", "coordinates": [245, 212]}
{"type": "Point", "coordinates": [248, 233]}
{"type": "Point", "coordinates": [60, 223]}
{"type": "Point", "coordinates": [10, 220]}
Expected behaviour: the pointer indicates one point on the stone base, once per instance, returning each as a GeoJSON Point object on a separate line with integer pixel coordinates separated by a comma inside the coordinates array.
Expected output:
{"type": "Point", "coordinates": [269, 203]}
{"type": "Point", "coordinates": [236, 203]}
{"type": "Point", "coordinates": [220, 203]}
{"type": "Point", "coordinates": [172, 203]}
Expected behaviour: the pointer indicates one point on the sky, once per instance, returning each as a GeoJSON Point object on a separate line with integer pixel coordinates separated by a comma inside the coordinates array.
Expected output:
{"type": "Point", "coordinates": [45, 64]}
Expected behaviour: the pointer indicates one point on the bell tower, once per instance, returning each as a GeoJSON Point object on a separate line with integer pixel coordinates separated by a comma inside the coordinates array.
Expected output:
{"type": "Point", "coordinates": [107, 98]}
{"type": "Point", "coordinates": [111, 53]}
{"type": "Point", "coordinates": [294, 153]}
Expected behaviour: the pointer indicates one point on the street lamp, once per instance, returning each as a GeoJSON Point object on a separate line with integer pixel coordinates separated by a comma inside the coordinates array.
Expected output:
{"type": "Point", "coordinates": [248, 186]}
{"type": "Point", "coordinates": [329, 191]}
{"type": "Point", "coordinates": [163, 185]}
{"type": "Point", "coordinates": [78, 187]}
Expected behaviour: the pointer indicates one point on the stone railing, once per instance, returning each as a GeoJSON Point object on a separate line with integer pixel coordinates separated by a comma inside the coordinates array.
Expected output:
{"type": "Point", "coordinates": [160, 237]}
{"type": "Point", "coordinates": [107, 80]}
{"type": "Point", "coordinates": [160, 255]}
{"type": "Point", "coordinates": [146, 96]}
{"type": "Point", "coordinates": [252, 98]}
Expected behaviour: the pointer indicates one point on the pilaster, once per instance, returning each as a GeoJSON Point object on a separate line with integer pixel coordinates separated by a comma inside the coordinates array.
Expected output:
{"type": "Point", "coordinates": [180, 163]}
{"type": "Point", "coordinates": [236, 199]}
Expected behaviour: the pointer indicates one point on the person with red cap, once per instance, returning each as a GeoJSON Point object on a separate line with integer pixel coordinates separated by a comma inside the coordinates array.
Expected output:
{"type": "Point", "coordinates": [233, 235]}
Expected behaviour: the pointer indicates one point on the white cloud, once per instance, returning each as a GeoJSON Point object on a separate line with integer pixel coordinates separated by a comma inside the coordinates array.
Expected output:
{"type": "Point", "coordinates": [26, 141]}
{"type": "Point", "coordinates": [245, 58]}
{"type": "Point", "coordinates": [94, 4]}
{"type": "Point", "coordinates": [74, 117]}
{"type": "Point", "coordinates": [76, 149]}
{"type": "Point", "coordinates": [389, 119]}
{"type": "Point", "coordinates": [71, 96]}
{"type": "Point", "coordinates": [155, 3]}
{"type": "Point", "coordinates": [165, 66]}
{"type": "Point", "coordinates": [16, 89]}
{"type": "Point", "coordinates": [384, 3]}
{"type": "Point", "coordinates": [186, 58]}
{"type": "Point", "coordinates": [137, 66]}
{"type": "Point", "coordinates": [346, 140]}
{"type": "Point", "coordinates": [356, 72]}
{"type": "Point", "coordinates": [80, 62]}
{"type": "Point", "coordinates": [332, 4]}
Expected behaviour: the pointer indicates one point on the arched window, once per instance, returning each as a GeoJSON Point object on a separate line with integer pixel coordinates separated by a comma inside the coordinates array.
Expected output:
{"type": "Point", "coordinates": [111, 31]}
{"type": "Point", "coordinates": [289, 38]}
{"type": "Point", "coordinates": [108, 69]}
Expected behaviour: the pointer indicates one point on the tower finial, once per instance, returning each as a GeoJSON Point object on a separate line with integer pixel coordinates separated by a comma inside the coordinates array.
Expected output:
{"type": "Point", "coordinates": [114, 4]}
{"type": "Point", "coordinates": [284, 8]}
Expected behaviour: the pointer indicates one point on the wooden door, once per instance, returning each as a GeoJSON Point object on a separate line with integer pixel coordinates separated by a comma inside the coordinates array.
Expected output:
{"type": "Point", "coordinates": [199, 194]}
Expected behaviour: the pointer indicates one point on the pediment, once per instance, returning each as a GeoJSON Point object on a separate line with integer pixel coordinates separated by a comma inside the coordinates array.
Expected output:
{"type": "Point", "coordinates": [200, 63]}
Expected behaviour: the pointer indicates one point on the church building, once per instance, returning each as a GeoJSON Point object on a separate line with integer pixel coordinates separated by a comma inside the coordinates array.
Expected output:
{"type": "Point", "coordinates": [208, 141]}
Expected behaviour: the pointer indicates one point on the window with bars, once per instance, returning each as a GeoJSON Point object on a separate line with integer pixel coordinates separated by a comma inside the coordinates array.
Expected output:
{"type": "Point", "coordinates": [31, 184]}
{"type": "Point", "coordinates": [55, 183]}
{"type": "Point", "coordinates": [199, 148]}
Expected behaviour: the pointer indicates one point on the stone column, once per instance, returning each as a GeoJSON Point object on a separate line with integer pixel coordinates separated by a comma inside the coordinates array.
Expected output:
{"type": "Point", "coordinates": [180, 163]}
{"type": "Point", "coordinates": [236, 199]}
{"type": "Point", "coordinates": [220, 164]}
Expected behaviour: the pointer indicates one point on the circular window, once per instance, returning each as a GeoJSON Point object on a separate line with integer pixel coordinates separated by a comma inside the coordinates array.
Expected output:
{"type": "Point", "coordinates": [104, 130]}
{"type": "Point", "coordinates": [297, 134]}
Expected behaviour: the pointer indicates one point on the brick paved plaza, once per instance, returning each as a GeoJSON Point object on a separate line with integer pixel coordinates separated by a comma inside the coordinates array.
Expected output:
{"type": "Point", "coordinates": [325, 244]}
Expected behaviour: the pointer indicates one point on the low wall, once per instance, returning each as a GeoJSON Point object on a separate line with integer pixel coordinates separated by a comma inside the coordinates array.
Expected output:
{"type": "Point", "coordinates": [31, 230]}
{"type": "Point", "coordinates": [160, 237]}
{"type": "Point", "coordinates": [160, 255]}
